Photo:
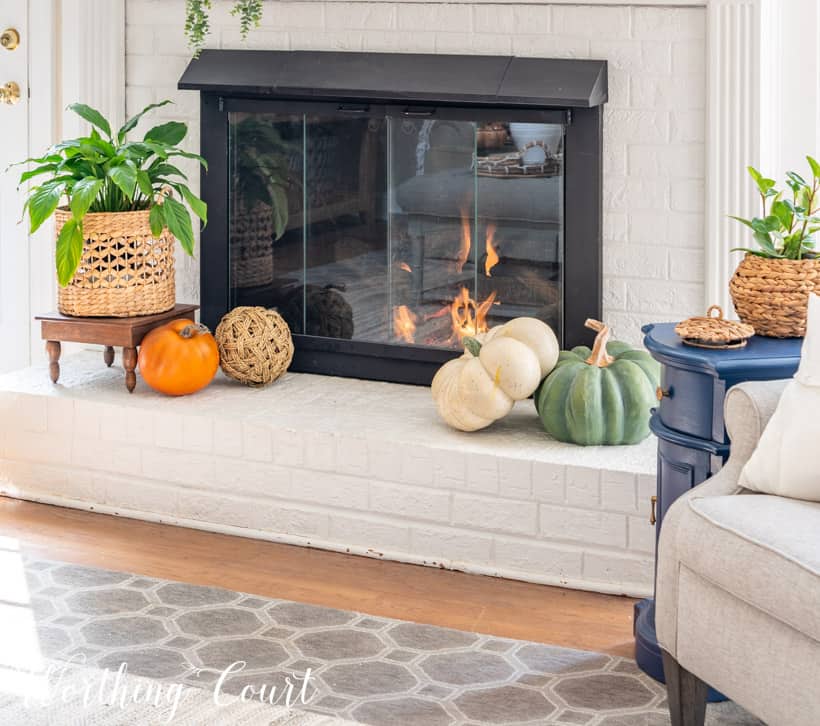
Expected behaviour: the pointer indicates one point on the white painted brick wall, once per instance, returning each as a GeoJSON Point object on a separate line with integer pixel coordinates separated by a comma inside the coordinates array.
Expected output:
{"type": "Point", "coordinates": [455, 546]}
{"type": "Point", "coordinates": [495, 514]}
{"type": "Point", "coordinates": [376, 534]}
{"type": "Point", "coordinates": [414, 502]}
{"type": "Point", "coordinates": [583, 525]}
{"type": "Point", "coordinates": [654, 122]}
{"type": "Point", "coordinates": [524, 556]}
{"type": "Point", "coordinates": [582, 486]}
{"type": "Point", "coordinates": [258, 463]}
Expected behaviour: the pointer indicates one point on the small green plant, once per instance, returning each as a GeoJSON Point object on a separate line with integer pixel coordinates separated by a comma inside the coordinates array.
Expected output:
{"type": "Point", "coordinates": [105, 172]}
{"type": "Point", "coordinates": [198, 25]}
{"type": "Point", "coordinates": [785, 230]}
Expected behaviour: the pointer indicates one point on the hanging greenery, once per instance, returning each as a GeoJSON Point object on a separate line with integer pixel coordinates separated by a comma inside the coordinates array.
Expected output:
{"type": "Point", "coordinates": [197, 20]}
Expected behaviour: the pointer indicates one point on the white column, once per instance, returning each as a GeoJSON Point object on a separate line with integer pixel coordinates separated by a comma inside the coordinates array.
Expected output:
{"type": "Point", "coordinates": [763, 111]}
{"type": "Point", "coordinates": [733, 133]}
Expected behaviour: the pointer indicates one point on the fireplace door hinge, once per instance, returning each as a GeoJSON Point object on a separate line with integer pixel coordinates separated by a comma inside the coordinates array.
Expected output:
{"type": "Point", "coordinates": [569, 116]}
{"type": "Point", "coordinates": [221, 103]}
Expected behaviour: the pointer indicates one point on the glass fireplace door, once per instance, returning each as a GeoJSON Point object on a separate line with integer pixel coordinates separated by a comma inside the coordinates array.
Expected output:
{"type": "Point", "coordinates": [346, 282]}
{"type": "Point", "coordinates": [476, 225]}
{"type": "Point", "coordinates": [398, 228]}
{"type": "Point", "coordinates": [307, 219]}
{"type": "Point", "coordinates": [265, 211]}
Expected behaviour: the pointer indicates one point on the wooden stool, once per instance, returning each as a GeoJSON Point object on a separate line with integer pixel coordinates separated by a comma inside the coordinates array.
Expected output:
{"type": "Point", "coordinates": [125, 332]}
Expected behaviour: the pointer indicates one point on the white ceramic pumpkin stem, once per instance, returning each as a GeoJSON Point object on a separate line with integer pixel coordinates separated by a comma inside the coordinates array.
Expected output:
{"type": "Point", "coordinates": [599, 356]}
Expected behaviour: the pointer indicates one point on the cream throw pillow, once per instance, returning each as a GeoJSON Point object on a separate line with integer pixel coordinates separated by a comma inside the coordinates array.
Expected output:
{"type": "Point", "coordinates": [787, 459]}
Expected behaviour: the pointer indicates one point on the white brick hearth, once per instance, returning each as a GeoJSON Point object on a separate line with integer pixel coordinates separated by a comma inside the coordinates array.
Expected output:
{"type": "Point", "coordinates": [347, 465]}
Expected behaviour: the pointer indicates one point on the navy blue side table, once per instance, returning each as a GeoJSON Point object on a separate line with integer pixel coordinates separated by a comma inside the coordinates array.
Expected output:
{"type": "Point", "coordinates": [692, 440]}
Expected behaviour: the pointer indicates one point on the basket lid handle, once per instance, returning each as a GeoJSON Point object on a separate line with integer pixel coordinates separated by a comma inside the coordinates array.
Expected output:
{"type": "Point", "coordinates": [714, 308]}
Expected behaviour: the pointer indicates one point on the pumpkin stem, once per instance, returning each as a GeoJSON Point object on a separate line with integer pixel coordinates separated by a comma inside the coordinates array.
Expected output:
{"type": "Point", "coordinates": [473, 346]}
{"type": "Point", "coordinates": [599, 356]}
{"type": "Point", "coordinates": [193, 329]}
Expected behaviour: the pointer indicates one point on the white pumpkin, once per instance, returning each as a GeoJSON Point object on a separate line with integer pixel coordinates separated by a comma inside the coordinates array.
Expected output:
{"type": "Point", "coordinates": [498, 368]}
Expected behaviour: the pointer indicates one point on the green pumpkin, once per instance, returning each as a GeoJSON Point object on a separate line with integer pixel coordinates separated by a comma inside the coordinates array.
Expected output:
{"type": "Point", "coordinates": [599, 396]}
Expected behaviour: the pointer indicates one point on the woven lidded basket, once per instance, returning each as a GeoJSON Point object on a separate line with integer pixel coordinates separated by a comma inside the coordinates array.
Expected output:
{"type": "Point", "coordinates": [714, 331]}
{"type": "Point", "coordinates": [773, 295]}
{"type": "Point", "coordinates": [124, 271]}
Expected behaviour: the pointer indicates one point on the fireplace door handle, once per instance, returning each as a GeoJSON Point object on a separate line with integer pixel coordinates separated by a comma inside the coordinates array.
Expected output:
{"type": "Point", "coordinates": [409, 111]}
{"type": "Point", "coordinates": [348, 108]}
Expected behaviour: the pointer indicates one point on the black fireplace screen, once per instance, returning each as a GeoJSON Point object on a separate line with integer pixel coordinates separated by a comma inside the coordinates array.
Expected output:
{"type": "Point", "coordinates": [395, 228]}
{"type": "Point", "coordinates": [385, 233]}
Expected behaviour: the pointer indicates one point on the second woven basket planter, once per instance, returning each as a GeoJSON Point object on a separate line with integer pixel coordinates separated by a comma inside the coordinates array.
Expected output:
{"type": "Point", "coordinates": [124, 271]}
{"type": "Point", "coordinates": [772, 295]}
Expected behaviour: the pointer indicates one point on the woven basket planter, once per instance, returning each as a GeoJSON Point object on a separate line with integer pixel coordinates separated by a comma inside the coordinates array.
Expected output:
{"type": "Point", "coordinates": [124, 271]}
{"type": "Point", "coordinates": [773, 295]}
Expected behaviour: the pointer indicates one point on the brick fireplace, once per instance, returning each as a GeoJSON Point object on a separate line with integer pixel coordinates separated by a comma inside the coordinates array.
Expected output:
{"type": "Point", "coordinates": [654, 165]}
{"type": "Point", "coordinates": [383, 203]}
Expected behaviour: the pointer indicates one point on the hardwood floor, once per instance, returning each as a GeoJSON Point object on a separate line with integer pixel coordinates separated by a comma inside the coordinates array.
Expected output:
{"type": "Point", "coordinates": [505, 608]}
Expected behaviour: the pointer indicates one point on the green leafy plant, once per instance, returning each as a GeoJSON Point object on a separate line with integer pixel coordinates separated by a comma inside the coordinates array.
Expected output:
{"type": "Point", "coordinates": [197, 20]}
{"type": "Point", "coordinates": [261, 173]}
{"type": "Point", "coordinates": [105, 172]}
{"type": "Point", "coordinates": [786, 227]}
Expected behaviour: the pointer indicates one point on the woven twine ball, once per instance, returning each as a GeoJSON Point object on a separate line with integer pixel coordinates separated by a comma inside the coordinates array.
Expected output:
{"type": "Point", "coordinates": [255, 346]}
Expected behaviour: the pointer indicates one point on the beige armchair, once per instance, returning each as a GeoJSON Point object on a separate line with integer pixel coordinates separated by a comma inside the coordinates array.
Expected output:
{"type": "Point", "coordinates": [738, 588]}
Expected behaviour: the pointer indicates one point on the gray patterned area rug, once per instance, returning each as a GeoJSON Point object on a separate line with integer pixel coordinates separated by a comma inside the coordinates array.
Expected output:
{"type": "Point", "coordinates": [332, 666]}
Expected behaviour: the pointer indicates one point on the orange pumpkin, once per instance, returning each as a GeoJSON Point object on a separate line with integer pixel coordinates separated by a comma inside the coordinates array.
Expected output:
{"type": "Point", "coordinates": [178, 358]}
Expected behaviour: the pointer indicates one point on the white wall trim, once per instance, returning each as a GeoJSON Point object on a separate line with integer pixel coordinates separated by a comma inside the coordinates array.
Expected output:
{"type": "Point", "coordinates": [44, 129]}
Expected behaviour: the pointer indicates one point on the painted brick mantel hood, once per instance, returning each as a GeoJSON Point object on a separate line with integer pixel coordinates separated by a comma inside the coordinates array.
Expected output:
{"type": "Point", "coordinates": [465, 79]}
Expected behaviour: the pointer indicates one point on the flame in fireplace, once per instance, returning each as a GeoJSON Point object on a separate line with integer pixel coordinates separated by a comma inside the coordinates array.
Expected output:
{"type": "Point", "coordinates": [491, 260]}
{"type": "Point", "coordinates": [404, 324]}
{"type": "Point", "coordinates": [466, 241]}
{"type": "Point", "coordinates": [468, 317]}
